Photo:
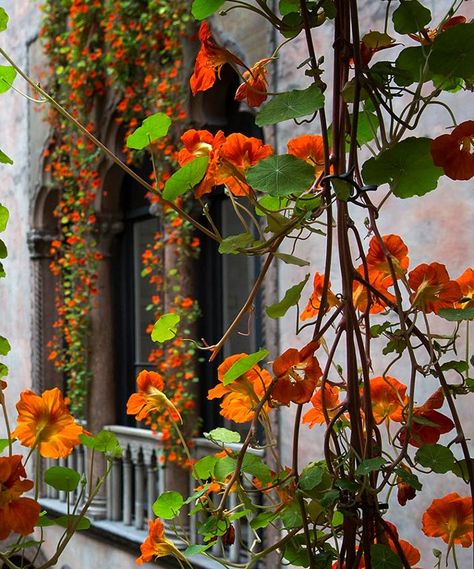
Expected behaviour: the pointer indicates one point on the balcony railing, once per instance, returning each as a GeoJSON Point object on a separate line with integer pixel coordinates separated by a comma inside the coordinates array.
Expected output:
{"type": "Point", "coordinates": [136, 480]}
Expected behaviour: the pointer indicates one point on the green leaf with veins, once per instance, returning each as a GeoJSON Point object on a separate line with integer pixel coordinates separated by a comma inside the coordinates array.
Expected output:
{"type": "Point", "coordinates": [202, 9]}
{"type": "Point", "coordinates": [437, 457]}
{"type": "Point", "coordinates": [153, 127]}
{"type": "Point", "coordinates": [7, 76]}
{"type": "Point", "coordinates": [185, 178]}
{"type": "Point", "coordinates": [291, 105]}
{"type": "Point", "coordinates": [407, 167]}
{"type": "Point", "coordinates": [410, 17]}
{"type": "Point", "coordinates": [3, 20]}
{"type": "Point", "coordinates": [452, 53]}
{"type": "Point", "coordinates": [281, 175]}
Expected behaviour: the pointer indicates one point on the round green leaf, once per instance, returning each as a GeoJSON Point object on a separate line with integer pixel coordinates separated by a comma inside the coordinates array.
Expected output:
{"type": "Point", "coordinates": [167, 505]}
{"type": "Point", "coordinates": [3, 250]}
{"type": "Point", "coordinates": [224, 436]}
{"type": "Point", "coordinates": [452, 54]}
{"type": "Point", "coordinates": [457, 314]}
{"type": "Point", "coordinates": [291, 105]}
{"type": "Point", "coordinates": [4, 346]}
{"type": "Point", "coordinates": [384, 558]}
{"type": "Point", "coordinates": [185, 178]}
{"type": "Point", "coordinates": [281, 175]}
{"type": "Point", "coordinates": [410, 17]}
{"type": "Point", "coordinates": [7, 76]}
{"type": "Point", "coordinates": [202, 9]}
{"type": "Point", "coordinates": [165, 328]}
{"type": "Point", "coordinates": [152, 128]}
{"type": "Point", "coordinates": [407, 167]}
{"type": "Point", "coordinates": [437, 457]}
{"type": "Point", "coordinates": [62, 478]}
{"type": "Point", "coordinates": [3, 20]}
{"type": "Point", "coordinates": [4, 215]}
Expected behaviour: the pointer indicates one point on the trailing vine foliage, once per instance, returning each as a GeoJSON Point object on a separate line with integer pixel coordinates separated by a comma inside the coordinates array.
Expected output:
{"type": "Point", "coordinates": [128, 54]}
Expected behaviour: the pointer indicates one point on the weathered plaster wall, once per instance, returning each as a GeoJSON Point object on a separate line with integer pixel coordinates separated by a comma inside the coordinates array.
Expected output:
{"type": "Point", "coordinates": [438, 227]}
{"type": "Point", "coordinates": [15, 289]}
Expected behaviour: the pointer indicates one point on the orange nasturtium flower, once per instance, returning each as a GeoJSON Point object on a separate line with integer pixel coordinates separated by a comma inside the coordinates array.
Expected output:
{"type": "Point", "coordinates": [150, 397]}
{"type": "Point", "coordinates": [198, 143]}
{"type": "Point", "coordinates": [314, 302]}
{"type": "Point", "coordinates": [361, 294]}
{"type": "Point", "coordinates": [378, 262]}
{"type": "Point", "coordinates": [432, 288]}
{"type": "Point", "coordinates": [242, 395]}
{"type": "Point", "coordinates": [454, 152]}
{"type": "Point", "coordinates": [16, 513]}
{"type": "Point", "coordinates": [157, 545]}
{"type": "Point", "coordinates": [209, 61]}
{"type": "Point", "coordinates": [256, 85]}
{"type": "Point", "coordinates": [237, 154]}
{"type": "Point", "coordinates": [429, 34]}
{"type": "Point", "coordinates": [44, 421]}
{"type": "Point", "coordinates": [428, 424]}
{"type": "Point", "coordinates": [405, 491]}
{"type": "Point", "coordinates": [297, 373]}
{"type": "Point", "coordinates": [450, 518]}
{"type": "Point", "coordinates": [466, 283]}
{"type": "Point", "coordinates": [308, 147]}
{"type": "Point", "coordinates": [388, 398]}
{"type": "Point", "coordinates": [315, 416]}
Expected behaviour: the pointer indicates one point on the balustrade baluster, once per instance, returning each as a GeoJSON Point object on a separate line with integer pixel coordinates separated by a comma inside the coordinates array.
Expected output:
{"type": "Point", "coordinates": [127, 487]}
{"type": "Point", "coordinates": [139, 490]}
{"type": "Point", "coordinates": [116, 483]}
{"type": "Point", "coordinates": [152, 477]}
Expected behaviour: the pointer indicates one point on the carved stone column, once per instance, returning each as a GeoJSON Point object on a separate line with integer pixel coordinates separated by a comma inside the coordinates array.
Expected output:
{"type": "Point", "coordinates": [101, 404]}
{"type": "Point", "coordinates": [45, 375]}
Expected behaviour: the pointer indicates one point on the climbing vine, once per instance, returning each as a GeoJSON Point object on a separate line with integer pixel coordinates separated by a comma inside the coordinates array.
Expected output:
{"type": "Point", "coordinates": [114, 58]}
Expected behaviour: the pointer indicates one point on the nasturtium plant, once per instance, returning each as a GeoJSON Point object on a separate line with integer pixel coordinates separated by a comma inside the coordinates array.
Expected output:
{"type": "Point", "coordinates": [281, 176]}
{"type": "Point", "coordinates": [4, 159]}
{"type": "Point", "coordinates": [186, 178]}
{"type": "Point", "coordinates": [291, 105]}
{"type": "Point", "coordinates": [291, 298]}
{"type": "Point", "coordinates": [165, 327]}
{"type": "Point", "coordinates": [62, 478]}
{"type": "Point", "coordinates": [7, 77]}
{"type": "Point", "coordinates": [407, 167]}
{"type": "Point", "coordinates": [202, 9]}
{"type": "Point", "coordinates": [152, 128]}
{"type": "Point", "coordinates": [410, 16]}
{"type": "Point", "coordinates": [168, 505]}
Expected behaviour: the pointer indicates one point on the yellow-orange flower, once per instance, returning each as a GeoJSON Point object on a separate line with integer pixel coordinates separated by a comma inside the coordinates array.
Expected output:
{"type": "Point", "coordinates": [240, 397]}
{"type": "Point", "coordinates": [466, 283]}
{"type": "Point", "coordinates": [209, 61]}
{"type": "Point", "coordinates": [157, 545]}
{"type": "Point", "coordinates": [378, 262]}
{"type": "Point", "coordinates": [16, 513]}
{"type": "Point", "coordinates": [238, 153]}
{"type": "Point", "coordinates": [308, 147]}
{"type": "Point", "coordinates": [432, 288]}
{"type": "Point", "coordinates": [44, 421]}
{"type": "Point", "coordinates": [150, 397]}
{"type": "Point", "coordinates": [450, 518]}
{"type": "Point", "coordinates": [297, 373]}
{"type": "Point", "coordinates": [388, 398]}
{"type": "Point", "coordinates": [256, 85]}
{"type": "Point", "coordinates": [331, 401]}
{"type": "Point", "coordinates": [314, 302]}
